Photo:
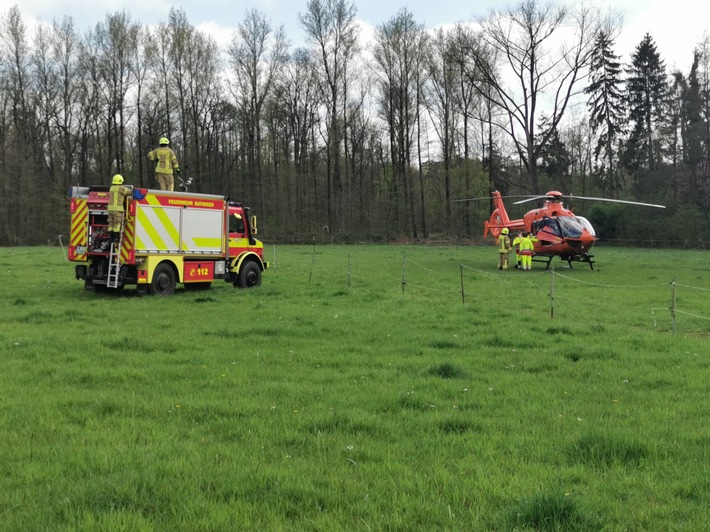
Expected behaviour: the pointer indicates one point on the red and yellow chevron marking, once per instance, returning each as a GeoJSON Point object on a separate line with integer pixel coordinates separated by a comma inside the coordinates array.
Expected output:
{"type": "Point", "coordinates": [128, 249]}
{"type": "Point", "coordinates": [78, 235]}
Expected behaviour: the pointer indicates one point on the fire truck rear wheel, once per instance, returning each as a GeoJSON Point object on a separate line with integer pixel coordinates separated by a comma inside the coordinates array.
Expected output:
{"type": "Point", "coordinates": [163, 280]}
{"type": "Point", "coordinates": [249, 275]}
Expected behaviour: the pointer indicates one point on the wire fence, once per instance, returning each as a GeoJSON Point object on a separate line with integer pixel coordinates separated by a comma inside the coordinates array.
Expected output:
{"type": "Point", "coordinates": [416, 276]}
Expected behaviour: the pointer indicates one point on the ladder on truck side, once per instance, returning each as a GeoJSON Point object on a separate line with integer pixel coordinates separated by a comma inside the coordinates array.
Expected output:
{"type": "Point", "coordinates": [114, 260]}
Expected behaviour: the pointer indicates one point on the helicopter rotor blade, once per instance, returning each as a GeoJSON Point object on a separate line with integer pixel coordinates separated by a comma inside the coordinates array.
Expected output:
{"type": "Point", "coordinates": [530, 198]}
{"type": "Point", "coordinates": [486, 198]}
{"type": "Point", "coordinates": [616, 201]}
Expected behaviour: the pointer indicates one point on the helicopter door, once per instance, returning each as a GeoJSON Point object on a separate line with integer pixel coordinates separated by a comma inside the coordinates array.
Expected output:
{"type": "Point", "coordinates": [548, 231]}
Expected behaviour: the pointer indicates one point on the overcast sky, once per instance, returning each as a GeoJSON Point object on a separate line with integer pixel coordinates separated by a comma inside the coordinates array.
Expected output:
{"type": "Point", "coordinates": [676, 26]}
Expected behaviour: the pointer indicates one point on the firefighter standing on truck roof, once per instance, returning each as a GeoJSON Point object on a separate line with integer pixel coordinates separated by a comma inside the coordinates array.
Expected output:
{"type": "Point", "coordinates": [503, 249]}
{"type": "Point", "coordinates": [166, 162]}
{"type": "Point", "coordinates": [116, 200]}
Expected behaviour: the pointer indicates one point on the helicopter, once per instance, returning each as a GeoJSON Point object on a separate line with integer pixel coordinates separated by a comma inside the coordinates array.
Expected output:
{"type": "Point", "coordinates": [557, 230]}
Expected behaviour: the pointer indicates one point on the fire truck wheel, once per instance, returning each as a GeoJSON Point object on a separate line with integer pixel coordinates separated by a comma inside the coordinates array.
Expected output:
{"type": "Point", "coordinates": [163, 280]}
{"type": "Point", "coordinates": [249, 275]}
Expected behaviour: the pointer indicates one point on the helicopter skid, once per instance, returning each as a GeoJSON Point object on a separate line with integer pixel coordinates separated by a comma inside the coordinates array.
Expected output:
{"type": "Point", "coordinates": [547, 259]}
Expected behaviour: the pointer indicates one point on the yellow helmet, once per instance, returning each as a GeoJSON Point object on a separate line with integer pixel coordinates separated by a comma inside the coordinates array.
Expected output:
{"type": "Point", "coordinates": [504, 230]}
{"type": "Point", "coordinates": [164, 141]}
{"type": "Point", "coordinates": [117, 179]}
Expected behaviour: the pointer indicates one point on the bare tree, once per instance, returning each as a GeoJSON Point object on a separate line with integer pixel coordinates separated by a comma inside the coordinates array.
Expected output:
{"type": "Point", "coordinates": [18, 127]}
{"type": "Point", "coordinates": [330, 26]}
{"type": "Point", "coordinates": [440, 97]}
{"type": "Point", "coordinates": [532, 78]}
{"type": "Point", "coordinates": [256, 54]}
{"type": "Point", "coordinates": [116, 40]}
{"type": "Point", "coordinates": [397, 52]}
{"type": "Point", "coordinates": [299, 98]}
{"type": "Point", "coordinates": [65, 56]}
{"type": "Point", "coordinates": [139, 65]}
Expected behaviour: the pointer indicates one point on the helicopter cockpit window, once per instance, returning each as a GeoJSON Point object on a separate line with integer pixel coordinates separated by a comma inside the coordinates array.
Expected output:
{"type": "Point", "coordinates": [550, 226]}
{"type": "Point", "coordinates": [236, 224]}
{"type": "Point", "coordinates": [571, 227]}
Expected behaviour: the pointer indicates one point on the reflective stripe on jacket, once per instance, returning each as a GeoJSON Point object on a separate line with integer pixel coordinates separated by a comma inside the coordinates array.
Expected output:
{"type": "Point", "coordinates": [526, 246]}
{"type": "Point", "coordinates": [116, 195]}
{"type": "Point", "coordinates": [166, 160]}
{"type": "Point", "coordinates": [503, 244]}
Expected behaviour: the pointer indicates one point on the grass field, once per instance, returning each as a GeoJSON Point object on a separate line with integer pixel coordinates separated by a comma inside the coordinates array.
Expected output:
{"type": "Point", "coordinates": [337, 397]}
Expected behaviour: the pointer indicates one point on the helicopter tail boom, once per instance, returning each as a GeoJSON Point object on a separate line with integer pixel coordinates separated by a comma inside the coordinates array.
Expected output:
{"type": "Point", "coordinates": [499, 219]}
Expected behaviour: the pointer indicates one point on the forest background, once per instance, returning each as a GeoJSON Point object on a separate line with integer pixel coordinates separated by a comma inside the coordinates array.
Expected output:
{"type": "Point", "coordinates": [353, 139]}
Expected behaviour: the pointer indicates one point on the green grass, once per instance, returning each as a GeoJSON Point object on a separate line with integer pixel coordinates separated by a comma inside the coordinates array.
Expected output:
{"type": "Point", "coordinates": [336, 399]}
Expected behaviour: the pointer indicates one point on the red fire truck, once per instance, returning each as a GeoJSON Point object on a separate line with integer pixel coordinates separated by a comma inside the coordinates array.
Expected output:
{"type": "Point", "coordinates": [167, 238]}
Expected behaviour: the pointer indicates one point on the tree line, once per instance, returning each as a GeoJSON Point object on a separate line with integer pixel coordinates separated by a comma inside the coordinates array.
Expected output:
{"type": "Point", "coordinates": [345, 138]}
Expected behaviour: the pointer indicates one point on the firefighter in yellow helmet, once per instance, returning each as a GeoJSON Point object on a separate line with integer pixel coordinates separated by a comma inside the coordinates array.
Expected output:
{"type": "Point", "coordinates": [116, 206]}
{"type": "Point", "coordinates": [503, 249]}
{"type": "Point", "coordinates": [526, 250]}
{"type": "Point", "coordinates": [166, 164]}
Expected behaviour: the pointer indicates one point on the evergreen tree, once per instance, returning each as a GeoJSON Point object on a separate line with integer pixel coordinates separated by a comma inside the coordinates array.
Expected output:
{"type": "Point", "coordinates": [647, 93]}
{"type": "Point", "coordinates": [607, 110]}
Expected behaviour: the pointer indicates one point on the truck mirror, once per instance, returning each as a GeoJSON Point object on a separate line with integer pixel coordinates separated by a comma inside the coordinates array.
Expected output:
{"type": "Point", "coordinates": [253, 224]}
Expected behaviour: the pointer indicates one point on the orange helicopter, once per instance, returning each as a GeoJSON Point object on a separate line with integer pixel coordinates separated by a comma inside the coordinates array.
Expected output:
{"type": "Point", "coordinates": [559, 232]}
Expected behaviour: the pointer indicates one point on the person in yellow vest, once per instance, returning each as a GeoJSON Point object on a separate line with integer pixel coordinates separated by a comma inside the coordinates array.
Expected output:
{"type": "Point", "coordinates": [116, 206]}
{"type": "Point", "coordinates": [503, 249]}
{"type": "Point", "coordinates": [516, 245]}
{"type": "Point", "coordinates": [166, 164]}
{"type": "Point", "coordinates": [526, 250]}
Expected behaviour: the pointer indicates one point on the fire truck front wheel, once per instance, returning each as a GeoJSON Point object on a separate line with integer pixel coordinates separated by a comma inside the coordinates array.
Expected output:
{"type": "Point", "coordinates": [249, 275]}
{"type": "Point", "coordinates": [163, 283]}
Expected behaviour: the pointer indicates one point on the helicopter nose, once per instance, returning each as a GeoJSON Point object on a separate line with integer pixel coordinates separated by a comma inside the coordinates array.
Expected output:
{"type": "Point", "coordinates": [587, 240]}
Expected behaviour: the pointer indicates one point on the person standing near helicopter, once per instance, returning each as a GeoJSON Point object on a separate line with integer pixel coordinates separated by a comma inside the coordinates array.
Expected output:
{"type": "Point", "coordinates": [526, 250]}
{"type": "Point", "coordinates": [503, 249]}
{"type": "Point", "coordinates": [516, 245]}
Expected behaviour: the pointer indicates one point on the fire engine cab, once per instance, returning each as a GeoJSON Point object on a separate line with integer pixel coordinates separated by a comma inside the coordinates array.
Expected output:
{"type": "Point", "coordinates": [166, 238]}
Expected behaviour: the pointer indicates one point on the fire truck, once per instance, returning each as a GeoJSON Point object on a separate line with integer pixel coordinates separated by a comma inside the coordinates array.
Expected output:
{"type": "Point", "coordinates": [167, 238]}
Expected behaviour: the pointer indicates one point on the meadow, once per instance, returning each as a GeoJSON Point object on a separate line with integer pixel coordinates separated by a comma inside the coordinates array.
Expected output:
{"type": "Point", "coordinates": [359, 389]}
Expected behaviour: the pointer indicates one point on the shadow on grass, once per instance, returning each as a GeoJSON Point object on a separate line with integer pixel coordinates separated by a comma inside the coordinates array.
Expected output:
{"type": "Point", "coordinates": [552, 512]}
{"type": "Point", "coordinates": [602, 450]}
{"type": "Point", "coordinates": [448, 370]}
{"type": "Point", "coordinates": [591, 353]}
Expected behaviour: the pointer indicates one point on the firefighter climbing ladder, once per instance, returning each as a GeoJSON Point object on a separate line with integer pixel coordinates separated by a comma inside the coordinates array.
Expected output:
{"type": "Point", "coordinates": [114, 261]}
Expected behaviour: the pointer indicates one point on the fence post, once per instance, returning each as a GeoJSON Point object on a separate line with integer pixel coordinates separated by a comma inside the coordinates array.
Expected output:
{"type": "Point", "coordinates": [463, 296]}
{"type": "Point", "coordinates": [404, 272]}
{"type": "Point", "coordinates": [313, 261]}
{"type": "Point", "coordinates": [552, 293]}
{"type": "Point", "coordinates": [673, 300]}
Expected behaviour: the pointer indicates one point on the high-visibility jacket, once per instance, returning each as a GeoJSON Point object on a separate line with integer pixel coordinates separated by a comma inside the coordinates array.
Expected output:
{"type": "Point", "coordinates": [526, 246]}
{"type": "Point", "coordinates": [116, 196]}
{"type": "Point", "coordinates": [503, 244]}
{"type": "Point", "coordinates": [516, 243]}
{"type": "Point", "coordinates": [166, 160]}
